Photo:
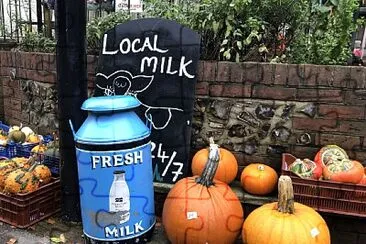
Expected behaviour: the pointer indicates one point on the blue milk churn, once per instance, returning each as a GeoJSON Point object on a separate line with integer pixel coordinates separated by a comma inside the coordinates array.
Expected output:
{"type": "Point", "coordinates": [113, 151]}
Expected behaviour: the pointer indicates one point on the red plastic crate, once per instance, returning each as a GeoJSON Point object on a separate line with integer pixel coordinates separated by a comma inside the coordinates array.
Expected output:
{"type": "Point", "coordinates": [24, 210]}
{"type": "Point", "coordinates": [327, 196]}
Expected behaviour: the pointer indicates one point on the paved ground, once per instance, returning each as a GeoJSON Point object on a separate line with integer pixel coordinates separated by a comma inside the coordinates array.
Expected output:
{"type": "Point", "coordinates": [43, 232]}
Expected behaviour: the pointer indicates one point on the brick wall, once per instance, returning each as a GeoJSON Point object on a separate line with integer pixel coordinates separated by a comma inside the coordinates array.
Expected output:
{"type": "Point", "coordinates": [257, 110]}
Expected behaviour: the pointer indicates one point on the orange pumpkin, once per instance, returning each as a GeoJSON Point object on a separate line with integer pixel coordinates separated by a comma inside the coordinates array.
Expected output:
{"type": "Point", "coordinates": [258, 179]}
{"type": "Point", "coordinates": [227, 169]}
{"type": "Point", "coordinates": [346, 171]}
{"type": "Point", "coordinates": [363, 181]}
{"type": "Point", "coordinates": [200, 209]}
{"type": "Point", "coordinates": [285, 221]}
{"type": "Point", "coordinates": [330, 153]}
{"type": "Point", "coordinates": [33, 138]}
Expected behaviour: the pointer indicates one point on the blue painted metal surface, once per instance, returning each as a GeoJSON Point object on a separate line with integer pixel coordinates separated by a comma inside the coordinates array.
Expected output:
{"type": "Point", "coordinates": [113, 151]}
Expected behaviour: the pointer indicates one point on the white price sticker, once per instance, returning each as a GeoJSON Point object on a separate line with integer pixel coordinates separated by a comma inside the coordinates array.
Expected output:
{"type": "Point", "coordinates": [192, 215]}
{"type": "Point", "coordinates": [314, 232]}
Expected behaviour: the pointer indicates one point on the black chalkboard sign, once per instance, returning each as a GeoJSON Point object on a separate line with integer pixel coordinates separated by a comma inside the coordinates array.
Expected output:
{"type": "Point", "coordinates": [156, 61]}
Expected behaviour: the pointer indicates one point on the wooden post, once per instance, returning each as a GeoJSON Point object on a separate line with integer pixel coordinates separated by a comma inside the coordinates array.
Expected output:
{"type": "Point", "coordinates": [72, 92]}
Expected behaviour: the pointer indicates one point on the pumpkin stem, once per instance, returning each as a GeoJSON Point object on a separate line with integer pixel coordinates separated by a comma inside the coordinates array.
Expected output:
{"type": "Point", "coordinates": [285, 195]}
{"type": "Point", "coordinates": [209, 171]}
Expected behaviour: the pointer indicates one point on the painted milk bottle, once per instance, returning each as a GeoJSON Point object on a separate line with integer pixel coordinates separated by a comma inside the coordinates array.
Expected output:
{"type": "Point", "coordinates": [119, 196]}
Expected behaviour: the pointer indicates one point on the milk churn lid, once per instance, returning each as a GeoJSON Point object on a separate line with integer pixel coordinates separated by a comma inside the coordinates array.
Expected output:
{"type": "Point", "coordinates": [110, 103]}
{"type": "Point", "coordinates": [108, 121]}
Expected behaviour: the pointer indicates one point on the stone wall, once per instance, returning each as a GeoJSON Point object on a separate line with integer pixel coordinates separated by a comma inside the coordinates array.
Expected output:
{"type": "Point", "coordinates": [257, 110]}
{"type": "Point", "coordinates": [28, 90]}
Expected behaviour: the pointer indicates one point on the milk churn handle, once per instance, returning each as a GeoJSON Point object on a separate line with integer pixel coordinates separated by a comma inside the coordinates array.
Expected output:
{"type": "Point", "coordinates": [72, 128]}
{"type": "Point", "coordinates": [149, 121]}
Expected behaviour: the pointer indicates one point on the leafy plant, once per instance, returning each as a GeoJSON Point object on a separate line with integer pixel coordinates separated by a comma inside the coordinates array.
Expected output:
{"type": "Point", "coordinates": [36, 42]}
{"type": "Point", "coordinates": [325, 35]}
{"type": "Point", "coordinates": [98, 26]}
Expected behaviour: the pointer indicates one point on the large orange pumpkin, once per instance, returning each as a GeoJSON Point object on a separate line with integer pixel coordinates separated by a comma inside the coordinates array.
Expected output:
{"type": "Point", "coordinates": [200, 209]}
{"type": "Point", "coordinates": [227, 169]}
{"type": "Point", "coordinates": [258, 179]}
{"type": "Point", "coordinates": [346, 171]}
{"type": "Point", "coordinates": [285, 221]}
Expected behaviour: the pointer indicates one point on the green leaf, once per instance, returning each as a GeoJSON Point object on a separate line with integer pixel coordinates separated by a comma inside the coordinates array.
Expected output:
{"type": "Point", "coordinates": [335, 2]}
{"type": "Point", "coordinates": [239, 44]}
{"type": "Point", "coordinates": [215, 26]}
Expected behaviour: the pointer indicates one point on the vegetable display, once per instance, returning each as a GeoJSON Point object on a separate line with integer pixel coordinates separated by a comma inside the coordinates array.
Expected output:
{"type": "Point", "coordinates": [258, 179]}
{"type": "Point", "coordinates": [285, 221]}
{"type": "Point", "coordinates": [200, 209]}
{"type": "Point", "coordinates": [226, 170]}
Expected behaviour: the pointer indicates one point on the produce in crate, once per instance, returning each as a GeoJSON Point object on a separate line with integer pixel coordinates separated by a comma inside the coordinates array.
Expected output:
{"type": "Point", "coordinates": [285, 221]}
{"type": "Point", "coordinates": [6, 167]}
{"type": "Point", "coordinates": [21, 181]}
{"type": "Point", "coordinates": [22, 175]}
{"type": "Point", "coordinates": [258, 179]}
{"type": "Point", "coordinates": [43, 173]}
{"type": "Point", "coordinates": [17, 136]}
{"type": "Point", "coordinates": [40, 148]}
{"type": "Point", "coordinates": [200, 209]}
{"type": "Point", "coordinates": [306, 169]}
{"type": "Point", "coordinates": [346, 171]}
{"type": "Point", "coordinates": [227, 169]}
{"type": "Point", "coordinates": [329, 153]}
{"type": "Point", "coordinates": [337, 166]}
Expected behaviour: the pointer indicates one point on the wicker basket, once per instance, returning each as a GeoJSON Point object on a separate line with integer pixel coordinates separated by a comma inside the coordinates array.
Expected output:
{"type": "Point", "coordinates": [327, 196]}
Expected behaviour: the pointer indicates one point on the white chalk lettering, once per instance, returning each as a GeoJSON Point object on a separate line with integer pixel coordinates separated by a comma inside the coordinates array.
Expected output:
{"type": "Point", "coordinates": [128, 46]}
{"type": "Point", "coordinates": [124, 230]}
{"type": "Point", "coordinates": [182, 69]}
{"type": "Point", "coordinates": [104, 51]}
{"type": "Point", "coordinates": [156, 46]}
{"type": "Point", "coordinates": [117, 160]}
{"type": "Point", "coordinates": [134, 50]}
{"type": "Point", "coordinates": [149, 60]}
{"type": "Point", "coordinates": [168, 69]}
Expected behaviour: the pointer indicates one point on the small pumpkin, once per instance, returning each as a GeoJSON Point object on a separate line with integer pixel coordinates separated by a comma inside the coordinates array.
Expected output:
{"type": "Point", "coordinates": [27, 131]}
{"type": "Point", "coordinates": [17, 136]}
{"type": "Point", "coordinates": [330, 153]}
{"type": "Point", "coordinates": [285, 221]}
{"type": "Point", "coordinates": [227, 169]}
{"type": "Point", "coordinates": [363, 181]}
{"type": "Point", "coordinates": [201, 209]}
{"type": "Point", "coordinates": [306, 169]}
{"type": "Point", "coordinates": [33, 138]}
{"type": "Point", "coordinates": [39, 149]}
{"type": "Point", "coordinates": [43, 173]}
{"type": "Point", "coordinates": [258, 179]}
{"type": "Point", "coordinates": [21, 181]}
{"type": "Point", "coordinates": [346, 171]}
{"type": "Point", "coordinates": [6, 167]}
